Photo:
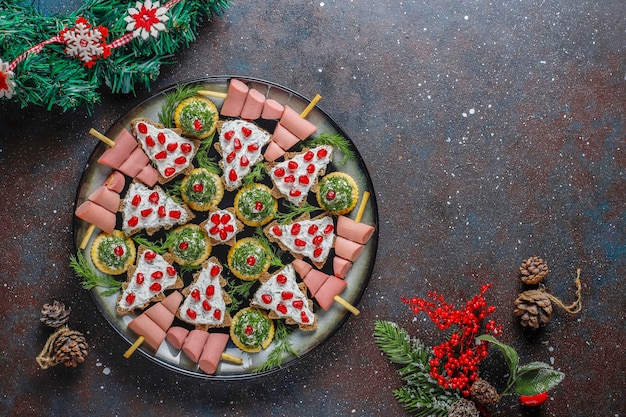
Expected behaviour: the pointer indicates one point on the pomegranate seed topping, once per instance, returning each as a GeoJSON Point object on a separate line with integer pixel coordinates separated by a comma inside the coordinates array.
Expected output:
{"type": "Point", "coordinates": [215, 218]}
{"type": "Point", "coordinates": [279, 172]}
{"type": "Point", "coordinates": [140, 278]}
{"type": "Point", "coordinates": [308, 156]}
{"type": "Point", "coordinates": [161, 138]}
{"type": "Point", "coordinates": [157, 275]}
{"type": "Point", "coordinates": [198, 188]}
{"type": "Point", "coordinates": [215, 270]}
{"type": "Point", "coordinates": [258, 206]}
{"type": "Point", "coordinates": [171, 271]}
{"type": "Point", "coordinates": [281, 308]}
{"type": "Point", "coordinates": [237, 144]}
{"type": "Point", "coordinates": [244, 161]}
{"type": "Point", "coordinates": [197, 124]}
{"type": "Point", "coordinates": [229, 135]}
{"type": "Point", "coordinates": [183, 245]}
{"type": "Point", "coordinates": [149, 255]}
{"type": "Point", "coordinates": [191, 314]}
{"type": "Point", "coordinates": [246, 132]}
{"type": "Point", "coordinates": [160, 155]}
{"type": "Point", "coordinates": [156, 287]}
{"type": "Point", "coordinates": [286, 295]}
{"type": "Point", "coordinates": [292, 165]}
{"type": "Point", "coordinates": [195, 294]}
{"type": "Point", "coordinates": [210, 291]}
{"type": "Point", "coordinates": [154, 198]}
{"type": "Point", "coordinates": [175, 214]}
{"type": "Point", "coordinates": [136, 200]}
{"type": "Point", "coordinates": [298, 304]}
{"type": "Point", "coordinates": [281, 279]}
{"type": "Point", "coordinates": [186, 148]}
{"type": "Point", "coordinates": [328, 229]}
{"type": "Point", "coordinates": [251, 260]}
{"type": "Point", "coordinates": [322, 153]}
{"type": "Point", "coordinates": [310, 169]}
{"type": "Point", "coordinates": [171, 147]}
{"type": "Point", "coordinates": [161, 211]}
{"type": "Point", "coordinates": [130, 298]}
{"type": "Point", "coordinates": [249, 330]}
{"type": "Point", "coordinates": [312, 229]}
{"type": "Point", "coordinates": [231, 157]}
{"type": "Point", "coordinates": [304, 317]}
{"type": "Point", "coordinates": [300, 243]}
{"type": "Point", "coordinates": [253, 147]}
{"type": "Point", "coordinates": [206, 306]}
{"type": "Point", "coordinates": [118, 251]}
{"type": "Point", "coordinates": [303, 179]}
{"type": "Point", "coordinates": [295, 228]}
{"type": "Point", "coordinates": [229, 228]}
{"type": "Point", "coordinates": [150, 142]}
{"type": "Point", "coordinates": [217, 314]}
{"type": "Point", "coordinates": [142, 128]}
{"type": "Point", "coordinates": [266, 298]}
{"type": "Point", "coordinates": [295, 193]}
{"type": "Point", "coordinates": [232, 175]}
{"type": "Point", "coordinates": [223, 234]}
{"type": "Point", "coordinates": [317, 252]}
{"type": "Point", "coordinates": [146, 212]}
{"type": "Point", "coordinates": [277, 231]}
{"type": "Point", "coordinates": [330, 195]}
{"type": "Point", "coordinates": [214, 230]}
{"type": "Point", "coordinates": [289, 178]}
{"type": "Point", "coordinates": [317, 240]}
{"type": "Point", "coordinates": [181, 160]}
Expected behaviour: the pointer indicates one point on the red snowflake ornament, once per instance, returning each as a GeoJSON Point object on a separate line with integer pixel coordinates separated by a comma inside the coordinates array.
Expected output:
{"type": "Point", "coordinates": [85, 42]}
{"type": "Point", "coordinates": [146, 19]}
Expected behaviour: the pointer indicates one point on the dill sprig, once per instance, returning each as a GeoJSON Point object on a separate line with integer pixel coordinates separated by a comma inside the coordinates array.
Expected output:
{"type": "Point", "coordinates": [256, 175]}
{"type": "Point", "coordinates": [274, 252]}
{"type": "Point", "coordinates": [421, 395]}
{"type": "Point", "coordinates": [157, 246]}
{"type": "Point", "coordinates": [91, 278]}
{"type": "Point", "coordinates": [203, 159]}
{"type": "Point", "coordinates": [182, 92]}
{"type": "Point", "coordinates": [336, 141]}
{"type": "Point", "coordinates": [295, 211]}
{"type": "Point", "coordinates": [282, 340]}
{"type": "Point", "coordinates": [238, 293]}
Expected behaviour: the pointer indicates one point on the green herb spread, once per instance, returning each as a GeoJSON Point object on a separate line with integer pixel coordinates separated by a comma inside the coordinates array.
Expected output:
{"type": "Point", "coordinates": [206, 193]}
{"type": "Point", "coordinates": [256, 204]}
{"type": "Point", "coordinates": [188, 243]}
{"type": "Point", "coordinates": [341, 191]}
{"type": "Point", "coordinates": [107, 253]}
{"type": "Point", "coordinates": [249, 258]}
{"type": "Point", "coordinates": [196, 110]}
{"type": "Point", "coordinates": [252, 328]}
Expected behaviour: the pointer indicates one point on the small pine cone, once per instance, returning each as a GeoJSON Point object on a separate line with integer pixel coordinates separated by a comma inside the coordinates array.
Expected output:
{"type": "Point", "coordinates": [70, 348]}
{"type": "Point", "coordinates": [55, 315]}
{"type": "Point", "coordinates": [463, 408]}
{"type": "Point", "coordinates": [534, 308]}
{"type": "Point", "coordinates": [533, 270]}
{"type": "Point", "coordinates": [484, 393]}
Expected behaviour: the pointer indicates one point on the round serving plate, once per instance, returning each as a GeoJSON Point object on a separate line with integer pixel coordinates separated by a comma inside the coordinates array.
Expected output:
{"type": "Point", "coordinates": [301, 341]}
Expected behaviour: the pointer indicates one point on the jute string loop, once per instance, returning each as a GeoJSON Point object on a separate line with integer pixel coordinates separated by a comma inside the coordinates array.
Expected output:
{"type": "Point", "coordinates": [577, 305]}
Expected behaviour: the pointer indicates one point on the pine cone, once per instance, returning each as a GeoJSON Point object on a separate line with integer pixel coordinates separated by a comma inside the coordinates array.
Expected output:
{"type": "Point", "coordinates": [534, 308]}
{"type": "Point", "coordinates": [484, 393]}
{"type": "Point", "coordinates": [55, 315]}
{"type": "Point", "coordinates": [70, 348]}
{"type": "Point", "coordinates": [533, 270]}
{"type": "Point", "coordinates": [463, 408]}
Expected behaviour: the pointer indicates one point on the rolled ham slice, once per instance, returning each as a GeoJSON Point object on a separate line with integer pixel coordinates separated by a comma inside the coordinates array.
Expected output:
{"type": "Point", "coordinates": [283, 137]}
{"type": "Point", "coordinates": [176, 336]}
{"type": "Point", "coordinates": [142, 325]}
{"type": "Point", "coordinates": [148, 175]}
{"type": "Point", "coordinates": [135, 162]}
{"type": "Point", "coordinates": [235, 99]}
{"type": "Point", "coordinates": [333, 286]}
{"type": "Point", "coordinates": [115, 182]}
{"type": "Point", "coordinates": [314, 280]}
{"type": "Point", "coordinates": [212, 352]}
{"type": "Point", "coordinates": [273, 152]}
{"type": "Point", "coordinates": [114, 156]}
{"type": "Point", "coordinates": [194, 343]}
{"type": "Point", "coordinates": [106, 198]}
{"type": "Point", "coordinates": [356, 232]}
{"type": "Point", "coordinates": [341, 267]}
{"type": "Point", "coordinates": [253, 106]}
{"type": "Point", "coordinates": [300, 127]}
{"type": "Point", "coordinates": [96, 215]}
{"type": "Point", "coordinates": [301, 267]}
{"type": "Point", "coordinates": [347, 249]}
{"type": "Point", "coordinates": [272, 109]}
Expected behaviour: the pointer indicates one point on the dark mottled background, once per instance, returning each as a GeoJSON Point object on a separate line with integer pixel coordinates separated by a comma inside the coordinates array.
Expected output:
{"type": "Point", "coordinates": [493, 131]}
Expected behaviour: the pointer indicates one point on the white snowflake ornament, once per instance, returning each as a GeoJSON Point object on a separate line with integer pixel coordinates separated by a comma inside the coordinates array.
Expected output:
{"type": "Point", "coordinates": [85, 42]}
{"type": "Point", "coordinates": [7, 85]}
{"type": "Point", "coordinates": [146, 19]}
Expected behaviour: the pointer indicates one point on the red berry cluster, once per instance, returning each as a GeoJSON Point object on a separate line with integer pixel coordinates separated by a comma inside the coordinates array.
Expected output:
{"type": "Point", "coordinates": [455, 365]}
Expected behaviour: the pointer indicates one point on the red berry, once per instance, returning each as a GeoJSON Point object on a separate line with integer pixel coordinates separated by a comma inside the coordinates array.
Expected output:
{"type": "Point", "coordinates": [191, 314]}
{"type": "Point", "coordinates": [246, 131]}
{"type": "Point", "coordinates": [281, 278]}
{"type": "Point", "coordinates": [140, 278]}
{"type": "Point", "coordinates": [154, 197]}
{"type": "Point", "coordinates": [195, 294]}
{"type": "Point", "coordinates": [161, 138]}
{"type": "Point", "coordinates": [279, 172]}
{"type": "Point", "coordinates": [156, 287]}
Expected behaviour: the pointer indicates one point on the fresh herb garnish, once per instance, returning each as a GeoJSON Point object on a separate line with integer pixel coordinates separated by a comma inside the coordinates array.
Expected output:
{"type": "Point", "coordinates": [274, 253]}
{"type": "Point", "coordinates": [256, 175]}
{"type": "Point", "coordinates": [166, 116]}
{"type": "Point", "coordinates": [295, 211]}
{"type": "Point", "coordinates": [282, 341]}
{"type": "Point", "coordinates": [155, 246]}
{"type": "Point", "coordinates": [203, 159]}
{"type": "Point", "coordinates": [336, 141]}
{"type": "Point", "coordinates": [238, 293]}
{"type": "Point", "coordinates": [91, 278]}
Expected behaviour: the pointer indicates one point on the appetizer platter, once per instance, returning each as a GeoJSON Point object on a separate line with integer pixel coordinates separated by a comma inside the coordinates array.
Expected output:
{"type": "Point", "coordinates": [225, 227]}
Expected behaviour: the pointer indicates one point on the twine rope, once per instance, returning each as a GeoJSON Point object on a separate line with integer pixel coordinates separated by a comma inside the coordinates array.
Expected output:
{"type": "Point", "coordinates": [577, 305]}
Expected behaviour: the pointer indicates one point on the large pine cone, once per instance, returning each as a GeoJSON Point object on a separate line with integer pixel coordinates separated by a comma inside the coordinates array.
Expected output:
{"type": "Point", "coordinates": [534, 308]}
{"type": "Point", "coordinates": [70, 348]}
{"type": "Point", "coordinates": [54, 315]}
{"type": "Point", "coordinates": [463, 408]}
{"type": "Point", "coordinates": [533, 270]}
{"type": "Point", "coordinates": [484, 393]}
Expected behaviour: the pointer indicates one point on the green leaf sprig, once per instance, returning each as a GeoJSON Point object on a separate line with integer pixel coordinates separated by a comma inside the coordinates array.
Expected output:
{"type": "Point", "coordinates": [203, 159]}
{"type": "Point", "coordinates": [256, 175]}
{"type": "Point", "coordinates": [336, 141]}
{"type": "Point", "coordinates": [294, 211]}
{"type": "Point", "coordinates": [238, 293]}
{"type": "Point", "coordinates": [420, 395]}
{"type": "Point", "coordinates": [166, 115]}
{"type": "Point", "coordinates": [283, 347]}
{"type": "Point", "coordinates": [275, 253]}
{"type": "Point", "coordinates": [91, 278]}
{"type": "Point", "coordinates": [530, 379]}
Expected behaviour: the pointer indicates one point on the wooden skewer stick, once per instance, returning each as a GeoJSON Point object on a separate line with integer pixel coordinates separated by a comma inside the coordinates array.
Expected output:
{"type": "Point", "coordinates": [209, 93]}
{"type": "Point", "coordinates": [100, 136]}
{"type": "Point", "coordinates": [312, 104]}
{"type": "Point", "coordinates": [352, 309]}
{"type": "Point", "coordinates": [231, 358]}
{"type": "Point", "coordinates": [88, 233]}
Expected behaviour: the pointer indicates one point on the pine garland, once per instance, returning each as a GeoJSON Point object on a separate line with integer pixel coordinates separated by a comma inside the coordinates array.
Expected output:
{"type": "Point", "coordinates": [49, 77]}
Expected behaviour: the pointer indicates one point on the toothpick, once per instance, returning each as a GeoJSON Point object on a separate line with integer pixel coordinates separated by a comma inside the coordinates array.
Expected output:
{"type": "Point", "coordinates": [100, 136]}
{"type": "Point", "coordinates": [312, 104]}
